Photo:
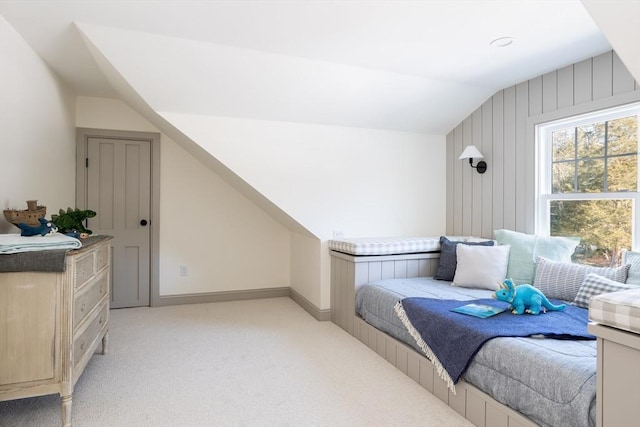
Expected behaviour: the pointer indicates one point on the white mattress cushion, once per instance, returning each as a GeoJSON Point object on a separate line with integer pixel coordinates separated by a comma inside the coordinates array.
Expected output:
{"type": "Point", "coordinates": [385, 245]}
{"type": "Point", "coordinates": [617, 309]}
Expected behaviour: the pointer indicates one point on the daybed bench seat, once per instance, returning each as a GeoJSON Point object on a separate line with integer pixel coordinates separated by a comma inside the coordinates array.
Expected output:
{"type": "Point", "coordinates": [509, 382]}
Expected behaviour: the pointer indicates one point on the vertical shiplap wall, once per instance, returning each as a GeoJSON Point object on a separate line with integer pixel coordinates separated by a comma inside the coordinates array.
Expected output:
{"type": "Point", "coordinates": [503, 197]}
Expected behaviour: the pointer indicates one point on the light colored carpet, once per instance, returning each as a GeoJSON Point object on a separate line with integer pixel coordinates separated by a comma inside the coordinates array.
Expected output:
{"type": "Point", "coordinates": [244, 363]}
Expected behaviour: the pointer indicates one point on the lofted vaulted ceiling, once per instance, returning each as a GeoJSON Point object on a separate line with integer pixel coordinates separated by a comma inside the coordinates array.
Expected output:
{"type": "Point", "coordinates": [417, 66]}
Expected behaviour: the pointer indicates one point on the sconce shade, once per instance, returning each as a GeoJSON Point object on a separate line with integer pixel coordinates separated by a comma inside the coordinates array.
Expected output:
{"type": "Point", "coordinates": [471, 152]}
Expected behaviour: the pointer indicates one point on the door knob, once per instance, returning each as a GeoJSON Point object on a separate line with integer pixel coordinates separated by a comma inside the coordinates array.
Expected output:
{"type": "Point", "coordinates": [143, 222]}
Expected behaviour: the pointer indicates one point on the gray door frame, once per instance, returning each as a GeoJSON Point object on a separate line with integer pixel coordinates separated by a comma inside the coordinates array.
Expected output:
{"type": "Point", "coordinates": [82, 135]}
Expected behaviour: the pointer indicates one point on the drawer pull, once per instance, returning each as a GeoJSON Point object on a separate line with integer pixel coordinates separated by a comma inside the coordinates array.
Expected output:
{"type": "Point", "coordinates": [101, 320]}
{"type": "Point", "coordinates": [82, 345]}
{"type": "Point", "coordinates": [82, 307]}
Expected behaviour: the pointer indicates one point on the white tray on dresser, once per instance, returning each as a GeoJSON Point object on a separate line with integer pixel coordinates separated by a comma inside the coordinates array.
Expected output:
{"type": "Point", "coordinates": [51, 323]}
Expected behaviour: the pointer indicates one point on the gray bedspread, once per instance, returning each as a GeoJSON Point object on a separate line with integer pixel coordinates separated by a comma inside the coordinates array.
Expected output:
{"type": "Point", "coordinates": [553, 382]}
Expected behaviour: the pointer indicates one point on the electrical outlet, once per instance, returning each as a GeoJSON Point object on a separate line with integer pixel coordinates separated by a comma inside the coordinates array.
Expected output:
{"type": "Point", "coordinates": [338, 234]}
{"type": "Point", "coordinates": [184, 271]}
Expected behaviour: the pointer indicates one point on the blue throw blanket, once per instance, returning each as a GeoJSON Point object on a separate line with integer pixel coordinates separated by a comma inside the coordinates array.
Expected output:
{"type": "Point", "coordinates": [451, 339]}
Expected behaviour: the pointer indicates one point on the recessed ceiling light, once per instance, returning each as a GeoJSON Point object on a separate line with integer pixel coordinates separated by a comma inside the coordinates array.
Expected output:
{"type": "Point", "coordinates": [502, 42]}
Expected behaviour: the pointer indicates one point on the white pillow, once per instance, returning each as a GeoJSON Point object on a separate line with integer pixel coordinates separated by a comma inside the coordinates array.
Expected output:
{"type": "Point", "coordinates": [482, 267]}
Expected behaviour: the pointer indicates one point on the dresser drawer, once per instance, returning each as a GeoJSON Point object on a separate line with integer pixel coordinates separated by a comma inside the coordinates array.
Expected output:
{"type": "Point", "coordinates": [102, 257]}
{"type": "Point", "coordinates": [89, 264]}
{"type": "Point", "coordinates": [84, 342]}
{"type": "Point", "coordinates": [85, 269]}
{"type": "Point", "coordinates": [89, 296]}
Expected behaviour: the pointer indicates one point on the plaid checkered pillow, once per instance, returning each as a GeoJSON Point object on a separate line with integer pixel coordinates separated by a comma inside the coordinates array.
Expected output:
{"type": "Point", "coordinates": [594, 284]}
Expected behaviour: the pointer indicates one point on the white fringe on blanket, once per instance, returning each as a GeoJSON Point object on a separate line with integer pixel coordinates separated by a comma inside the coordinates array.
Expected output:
{"type": "Point", "coordinates": [402, 315]}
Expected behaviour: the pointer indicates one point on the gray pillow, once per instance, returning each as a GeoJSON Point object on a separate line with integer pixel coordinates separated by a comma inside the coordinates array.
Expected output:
{"type": "Point", "coordinates": [562, 280]}
{"type": "Point", "coordinates": [448, 258]}
{"type": "Point", "coordinates": [633, 259]}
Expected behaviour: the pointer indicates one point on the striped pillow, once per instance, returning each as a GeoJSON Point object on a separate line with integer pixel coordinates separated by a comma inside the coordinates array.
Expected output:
{"type": "Point", "coordinates": [562, 280]}
{"type": "Point", "coordinates": [594, 285]}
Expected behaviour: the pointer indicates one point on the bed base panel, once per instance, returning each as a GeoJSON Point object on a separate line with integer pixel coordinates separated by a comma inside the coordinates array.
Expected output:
{"type": "Point", "coordinates": [347, 274]}
{"type": "Point", "coordinates": [360, 270]}
{"type": "Point", "coordinates": [473, 404]}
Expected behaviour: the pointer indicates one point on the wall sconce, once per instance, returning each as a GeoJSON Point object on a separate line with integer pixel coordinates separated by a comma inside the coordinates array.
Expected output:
{"type": "Point", "coordinates": [471, 152]}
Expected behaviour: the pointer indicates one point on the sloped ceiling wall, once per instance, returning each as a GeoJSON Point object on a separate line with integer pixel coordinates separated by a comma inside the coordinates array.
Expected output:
{"type": "Point", "coordinates": [620, 23]}
{"type": "Point", "coordinates": [321, 176]}
{"type": "Point", "coordinates": [192, 77]}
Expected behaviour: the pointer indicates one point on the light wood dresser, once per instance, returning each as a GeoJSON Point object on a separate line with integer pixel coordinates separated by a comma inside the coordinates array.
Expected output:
{"type": "Point", "coordinates": [51, 323]}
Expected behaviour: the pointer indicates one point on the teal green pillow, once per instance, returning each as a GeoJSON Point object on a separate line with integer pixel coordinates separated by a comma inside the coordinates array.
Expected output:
{"type": "Point", "coordinates": [526, 247]}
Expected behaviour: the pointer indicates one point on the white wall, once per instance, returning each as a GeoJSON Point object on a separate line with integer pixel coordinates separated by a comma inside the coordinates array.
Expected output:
{"type": "Point", "coordinates": [307, 271]}
{"type": "Point", "coordinates": [37, 131]}
{"type": "Point", "coordinates": [362, 182]}
{"type": "Point", "coordinates": [226, 241]}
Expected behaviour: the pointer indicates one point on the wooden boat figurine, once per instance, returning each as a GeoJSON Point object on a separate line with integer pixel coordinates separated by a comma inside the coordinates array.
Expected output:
{"type": "Point", "coordinates": [29, 216]}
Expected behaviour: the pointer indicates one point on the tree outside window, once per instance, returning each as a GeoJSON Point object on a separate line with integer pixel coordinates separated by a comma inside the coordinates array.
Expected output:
{"type": "Point", "coordinates": [588, 189]}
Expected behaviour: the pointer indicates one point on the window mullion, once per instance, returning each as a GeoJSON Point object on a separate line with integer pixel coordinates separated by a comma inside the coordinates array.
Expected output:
{"type": "Point", "coordinates": [575, 159]}
{"type": "Point", "coordinates": [606, 157]}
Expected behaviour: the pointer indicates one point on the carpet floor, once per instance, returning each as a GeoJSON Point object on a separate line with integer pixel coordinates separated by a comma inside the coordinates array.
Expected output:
{"type": "Point", "coordinates": [244, 363]}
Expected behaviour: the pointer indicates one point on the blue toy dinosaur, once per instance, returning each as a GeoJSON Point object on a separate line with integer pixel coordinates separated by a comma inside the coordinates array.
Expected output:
{"type": "Point", "coordinates": [524, 299]}
{"type": "Point", "coordinates": [45, 227]}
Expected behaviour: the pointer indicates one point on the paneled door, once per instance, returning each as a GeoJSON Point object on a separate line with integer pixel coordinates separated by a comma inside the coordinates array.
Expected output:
{"type": "Point", "coordinates": [119, 190]}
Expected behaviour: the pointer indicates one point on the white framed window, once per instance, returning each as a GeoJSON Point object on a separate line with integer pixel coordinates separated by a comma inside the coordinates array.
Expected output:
{"type": "Point", "coordinates": [587, 182]}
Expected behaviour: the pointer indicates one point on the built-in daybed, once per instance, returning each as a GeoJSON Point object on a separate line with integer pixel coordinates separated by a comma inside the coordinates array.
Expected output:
{"type": "Point", "coordinates": [370, 275]}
